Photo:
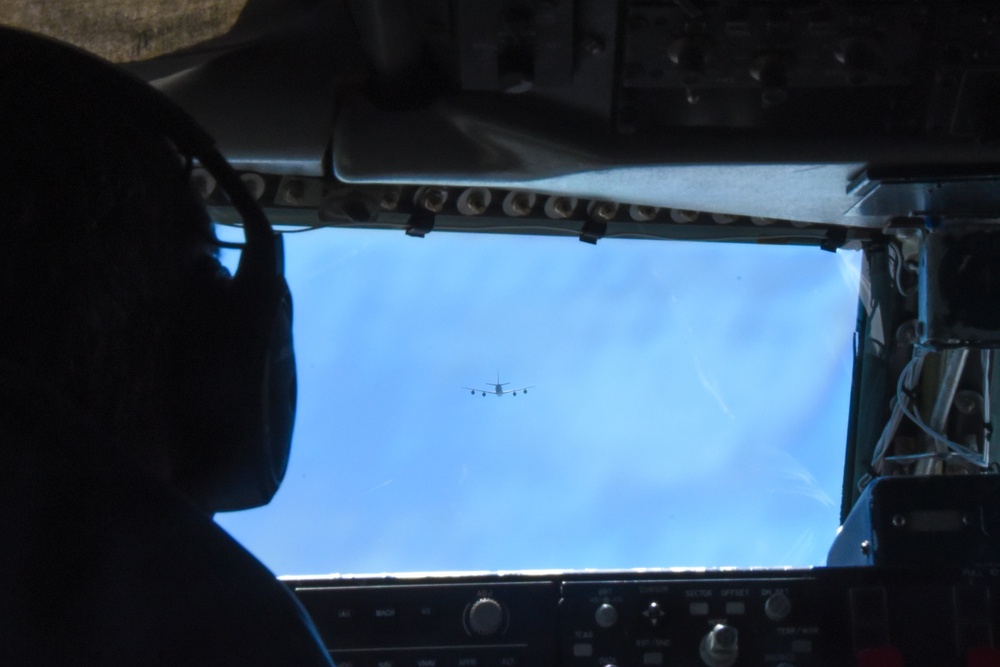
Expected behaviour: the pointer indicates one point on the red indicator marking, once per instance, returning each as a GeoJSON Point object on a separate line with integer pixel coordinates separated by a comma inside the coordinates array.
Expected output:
{"type": "Point", "coordinates": [983, 656]}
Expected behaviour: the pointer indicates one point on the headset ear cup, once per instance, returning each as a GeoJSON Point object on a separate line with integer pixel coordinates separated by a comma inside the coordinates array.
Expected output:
{"type": "Point", "coordinates": [281, 392]}
{"type": "Point", "coordinates": [243, 409]}
{"type": "Point", "coordinates": [262, 396]}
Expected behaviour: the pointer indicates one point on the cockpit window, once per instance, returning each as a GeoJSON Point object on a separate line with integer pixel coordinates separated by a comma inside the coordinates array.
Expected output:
{"type": "Point", "coordinates": [677, 404]}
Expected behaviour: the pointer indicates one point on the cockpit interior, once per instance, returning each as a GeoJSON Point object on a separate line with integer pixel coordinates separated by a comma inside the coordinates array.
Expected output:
{"type": "Point", "coordinates": [850, 148]}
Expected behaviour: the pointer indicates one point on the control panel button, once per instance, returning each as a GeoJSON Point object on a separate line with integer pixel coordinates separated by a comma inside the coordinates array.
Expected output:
{"type": "Point", "coordinates": [654, 612]}
{"type": "Point", "coordinates": [485, 617]}
{"type": "Point", "coordinates": [606, 616]}
{"type": "Point", "coordinates": [720, 647]}
{"type": "Point", "coordinates": [736, 608]}
{"type": "Point", "coordinates": [802, 646]}
{"type": "Point", "coordinates": [882, 656]}
{"type": "Point", "coordinates": [778, 606]}
{"type": "Point", "coordinates": [698, 608]}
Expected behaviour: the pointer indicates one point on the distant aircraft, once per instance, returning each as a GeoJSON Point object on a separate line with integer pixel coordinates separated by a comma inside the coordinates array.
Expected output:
{"type": "Point", "coordinates": [498, 388]}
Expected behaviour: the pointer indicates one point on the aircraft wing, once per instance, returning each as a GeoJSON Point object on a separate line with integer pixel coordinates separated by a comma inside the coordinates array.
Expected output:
{"type": "Point", "coordinates": [511, 391]}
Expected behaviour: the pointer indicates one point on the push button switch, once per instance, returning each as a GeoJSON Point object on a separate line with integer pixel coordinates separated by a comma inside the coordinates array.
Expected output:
{"type": "Point", "coordinates": [883, 656]}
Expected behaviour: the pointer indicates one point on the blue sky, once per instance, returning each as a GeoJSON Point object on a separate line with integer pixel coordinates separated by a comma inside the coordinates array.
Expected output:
{"type": "Point", "coordinates": [689, 409]}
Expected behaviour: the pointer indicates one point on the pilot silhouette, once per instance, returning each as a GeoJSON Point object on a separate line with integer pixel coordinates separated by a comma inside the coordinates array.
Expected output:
{"type": "Point", "coordinates": [143, 388]}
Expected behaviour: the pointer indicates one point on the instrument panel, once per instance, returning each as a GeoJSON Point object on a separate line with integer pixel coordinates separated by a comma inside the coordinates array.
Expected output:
{"type": "Point", "coordinates": [770, 618]}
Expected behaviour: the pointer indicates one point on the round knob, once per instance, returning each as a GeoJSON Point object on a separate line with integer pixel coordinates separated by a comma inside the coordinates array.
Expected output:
{"type": "Point", "coordinates": [606, 616]}
{"type": "Point", "coordinates": [486, 617]}
{"type": "Point", "coordinates": [720, 647]}
{"type": "Point", "coordinates": [778, 606]}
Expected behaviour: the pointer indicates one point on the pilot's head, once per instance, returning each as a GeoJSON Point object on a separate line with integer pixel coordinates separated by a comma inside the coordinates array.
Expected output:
{"type": "Point", "coordinates": [113, 301]}
{"type": "Point", "coordinates": [103, 247]}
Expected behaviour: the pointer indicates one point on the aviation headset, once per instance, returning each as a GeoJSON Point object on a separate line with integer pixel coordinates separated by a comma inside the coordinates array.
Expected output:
{"type": "Point", "coordinates": [241, 371]}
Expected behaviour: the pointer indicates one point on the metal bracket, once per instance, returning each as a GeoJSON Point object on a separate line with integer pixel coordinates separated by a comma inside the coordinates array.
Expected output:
{"type": "Point", "coordinates": [955, 191]}
{"type": "Point", "coordinates": [593, 230]}
{"type": "Point", "coordinates": [835, 238]}
{"type": "Point", "coordinates": [420, 224]}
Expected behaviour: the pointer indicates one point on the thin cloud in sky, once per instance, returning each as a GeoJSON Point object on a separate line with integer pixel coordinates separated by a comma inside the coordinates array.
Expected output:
{"type": "Point", "coordinates": [794, 478]}
{"type": "Point", "coordinates": [712, 386]}
{"type": "Point", "coordinates": [379, 486]}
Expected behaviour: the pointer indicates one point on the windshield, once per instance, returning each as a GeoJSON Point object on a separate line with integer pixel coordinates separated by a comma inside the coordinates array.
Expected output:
{"type": "Point", "coordinates": [686, 404]}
